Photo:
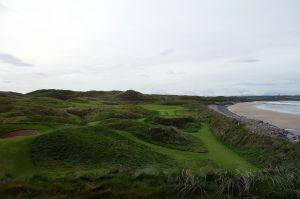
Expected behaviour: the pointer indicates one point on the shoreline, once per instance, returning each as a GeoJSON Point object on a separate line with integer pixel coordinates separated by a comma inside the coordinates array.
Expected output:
{"type": "Point", "coordinates": [289, 122]}
{"type": "Point", "coordinates": [256, 124]}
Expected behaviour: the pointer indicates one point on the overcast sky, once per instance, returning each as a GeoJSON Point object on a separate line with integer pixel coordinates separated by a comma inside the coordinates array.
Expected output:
{"type": "Point", "coordinates": [194, 47]}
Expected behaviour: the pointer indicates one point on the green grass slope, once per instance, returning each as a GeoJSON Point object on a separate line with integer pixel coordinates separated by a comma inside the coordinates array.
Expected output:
{"type": "Point", "coordinates": [218, 155]}
{"type": "Point", "coordinates": [167, 110]}
{"type": "Point", "coordinates": [111, 145]}
{"type": "Point", "coordinates": [93, 146]}
{"type": "Point", "coordinates": [16, 157]}
{"type": "Point", "coordinates": [15, 152]}
{"type": "Point", "coordinates": [166, 136]}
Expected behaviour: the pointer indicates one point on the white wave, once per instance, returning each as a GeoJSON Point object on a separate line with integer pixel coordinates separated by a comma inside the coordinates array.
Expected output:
{"type": "Point", "coordinates": [291, 107]}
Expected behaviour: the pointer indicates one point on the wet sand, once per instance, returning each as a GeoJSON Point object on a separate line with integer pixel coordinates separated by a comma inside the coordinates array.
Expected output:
{"type": "Point", "coordinates": [290, 122]}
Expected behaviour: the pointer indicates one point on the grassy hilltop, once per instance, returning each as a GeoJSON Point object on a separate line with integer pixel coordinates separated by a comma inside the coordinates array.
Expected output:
{"type": "Point", "coordinates": [118, 144]}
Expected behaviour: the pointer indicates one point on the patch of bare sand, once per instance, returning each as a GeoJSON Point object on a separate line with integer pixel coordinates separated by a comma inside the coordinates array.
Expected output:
{"type": "Point", "coordinates": [19, 133]}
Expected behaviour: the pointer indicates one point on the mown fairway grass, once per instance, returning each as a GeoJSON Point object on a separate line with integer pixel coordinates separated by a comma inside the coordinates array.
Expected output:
{"type": "Point", "coordinates": [15, 156]}
{"type": "Point", "coordinates": [219, 153]}
{"type": "Point", "coordinates": [15, 152]}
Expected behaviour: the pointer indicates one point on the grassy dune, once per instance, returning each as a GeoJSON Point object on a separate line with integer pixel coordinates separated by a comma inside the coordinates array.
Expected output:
{"type": "Point", "coordinates": [217, 156]}
{"type": "Point", "coordinates": [80, 146]}
{"type": "Point", "coordinates": [95, 144]}
{"type": "Point", "coordinates": [167, 110]}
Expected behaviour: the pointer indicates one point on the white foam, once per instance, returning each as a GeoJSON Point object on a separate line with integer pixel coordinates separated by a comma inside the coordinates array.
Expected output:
{"type": "Point", "coordinates": [290, 107]}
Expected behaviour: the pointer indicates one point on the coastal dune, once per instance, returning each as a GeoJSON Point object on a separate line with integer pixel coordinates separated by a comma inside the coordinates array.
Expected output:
{"type": "Point", "coordinates": [290, 122]}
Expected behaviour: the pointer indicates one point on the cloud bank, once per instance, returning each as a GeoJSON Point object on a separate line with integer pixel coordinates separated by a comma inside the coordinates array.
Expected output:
{"type": "Point", "coordinates": [10, 59]}
{"type": "Point", "coordinates": [206, 47]}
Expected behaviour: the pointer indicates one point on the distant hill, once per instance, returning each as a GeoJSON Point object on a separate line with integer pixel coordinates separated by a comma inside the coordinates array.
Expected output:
{"type": "Point", "coordinates": [9, 94]}
{"type": "Point", "coordinates": [135, 96]}
{"type": "Point", "coordinates": [129, 95]}
{"type": "Point", "coordinates": [58, 94]}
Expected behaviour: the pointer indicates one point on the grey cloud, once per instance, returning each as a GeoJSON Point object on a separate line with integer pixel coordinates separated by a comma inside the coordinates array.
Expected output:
{"type": "Point", "coordinates": [2, 6]}
{"type": "Point", "coordinates": [172, 72]}
{"type": "Point", "coordinates": [6, 81]}
{"type": "Point", "coordinates": [40, 74]}
{"type": "Point", "coordinates": [11, 59]}
{"type": "Point", "coordinates": [246, 60]}
{"type": "Point", "coordinates": [272, 83]}
{"type": "Point", "coordinates": [258, 84]}
{"type": "Point", "coordinates": [145, 75]}
{"type": "Point", "coordinates": [167, 51]}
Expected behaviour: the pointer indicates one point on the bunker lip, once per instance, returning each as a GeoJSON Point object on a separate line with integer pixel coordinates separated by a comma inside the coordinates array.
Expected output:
{"type": "Point", "coordinates": [19, 133]}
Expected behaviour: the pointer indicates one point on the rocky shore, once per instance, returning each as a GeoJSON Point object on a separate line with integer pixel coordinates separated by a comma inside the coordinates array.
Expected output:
{"type": "Point", "coordinates": [256, 126]}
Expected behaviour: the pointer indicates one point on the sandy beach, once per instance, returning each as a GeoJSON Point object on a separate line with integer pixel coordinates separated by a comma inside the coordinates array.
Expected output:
{"type": "Point", "coordinates": [286, 121]}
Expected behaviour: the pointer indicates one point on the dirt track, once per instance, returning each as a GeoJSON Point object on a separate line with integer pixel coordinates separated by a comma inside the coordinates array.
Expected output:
{"type": "Point", "coordinates": [19, 133]}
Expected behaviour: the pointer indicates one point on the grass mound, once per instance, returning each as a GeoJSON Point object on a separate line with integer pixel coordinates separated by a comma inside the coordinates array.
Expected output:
{"type": "Point", "coordinates": [68, 94]}
{"type": "Point", "coordinates": [169, 135]}
{"type": "Point", "coordinates": [127, 111]}
{"type": "Point", "coordinates": [134, 126]}
{"type": "Point", "coordinates": [92, 146]}
{"type": "Point", "coordinates": [132, 95]}
{"type": "Point", "coordinates": [167, 110]}
{"type": "Point", "coordinates": [185, 123]}
{"type": "Point", "coordinates": [38, 113]}
{"type": "Point", "coordinates": [54, 93]}
{"type": "Point", "coordinates": [160, 135]}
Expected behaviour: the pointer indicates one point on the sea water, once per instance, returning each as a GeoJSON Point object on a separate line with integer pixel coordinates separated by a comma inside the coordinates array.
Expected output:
{"type": "Point", "coordinates": [291, 107]}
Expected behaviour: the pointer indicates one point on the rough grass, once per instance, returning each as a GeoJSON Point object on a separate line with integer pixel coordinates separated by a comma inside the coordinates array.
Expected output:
{"type": "Point", "coordinates": [260, 149]}
{"type": "Point", "coordinates": [218, 184]}
{"type": "Point", "coordinates": [218, 155]}
{"type": "Point", "coordinates": [167, 110]}
{"type": "Point", "coordinates": [93, 146]}
{"type": "Point", "coordinates": [142, 130]}
{"type": "Point", "coordinates": [188, 124]}
{"type": "Point", "coordinates": [69, 161]}
{"type": "Point", "coordinates": [37, 113]}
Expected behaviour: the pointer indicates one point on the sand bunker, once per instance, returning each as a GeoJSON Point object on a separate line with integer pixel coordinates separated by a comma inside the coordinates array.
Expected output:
{"type": "Point", "coordinates": [19, 133]}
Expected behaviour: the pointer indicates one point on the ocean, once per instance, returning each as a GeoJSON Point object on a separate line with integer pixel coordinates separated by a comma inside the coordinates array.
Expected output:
{"type": "Point", "coordinates": [291, 107]}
